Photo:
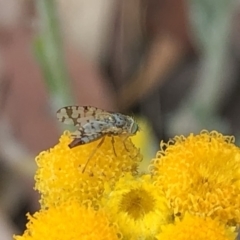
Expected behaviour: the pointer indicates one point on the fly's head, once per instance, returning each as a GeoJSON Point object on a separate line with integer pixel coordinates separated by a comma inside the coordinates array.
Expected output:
{"type": "Point", "coordinates": [133, 126]}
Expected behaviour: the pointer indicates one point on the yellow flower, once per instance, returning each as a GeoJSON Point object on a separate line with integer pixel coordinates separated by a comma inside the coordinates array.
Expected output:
{"type": "Point", "coordinates": [197, 228]}
{"type": "Point", "coordinates": [60, 169]}
{"type": "Point", "coordinates": [200, 174]}
{"type": "Point", "coordinates": [70, 221]}
{"type": "Point", "coordinates": [137, 206]}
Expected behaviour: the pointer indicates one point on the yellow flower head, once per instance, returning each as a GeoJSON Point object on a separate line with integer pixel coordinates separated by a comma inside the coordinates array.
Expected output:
{"type": "Point", "coordinates": [60, 169]}
{"type": "Point", "coordinates": [197, 228]}
{"type": "Point", "coordinates": [137, 206]}
{"type": "Point", "coordinates": [200, 174]}
{"type": "Point", "coordinates": [70, 221]}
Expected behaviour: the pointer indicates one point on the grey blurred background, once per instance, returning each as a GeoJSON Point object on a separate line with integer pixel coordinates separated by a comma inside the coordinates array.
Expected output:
{"type": "Point", "coordinates": [174, 63]}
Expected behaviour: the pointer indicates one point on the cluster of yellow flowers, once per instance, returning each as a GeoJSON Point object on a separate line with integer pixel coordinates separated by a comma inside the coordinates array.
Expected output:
{"type": "Point", "coordinates": [192, 191]}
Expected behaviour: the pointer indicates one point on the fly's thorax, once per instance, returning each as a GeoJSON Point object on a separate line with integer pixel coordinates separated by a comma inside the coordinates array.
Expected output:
{"type": "Point", "coordinates": [122, 124]}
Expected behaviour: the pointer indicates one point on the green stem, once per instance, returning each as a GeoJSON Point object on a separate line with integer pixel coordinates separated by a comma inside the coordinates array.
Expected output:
{"type": "Point", "coordinates": [48, 48]}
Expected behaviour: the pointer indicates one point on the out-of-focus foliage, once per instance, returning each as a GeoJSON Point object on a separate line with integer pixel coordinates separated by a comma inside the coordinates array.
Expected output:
{"type": "Point", "coordinates": [211, 28]}
{"type": "Point", "coordinates": [48, 48]}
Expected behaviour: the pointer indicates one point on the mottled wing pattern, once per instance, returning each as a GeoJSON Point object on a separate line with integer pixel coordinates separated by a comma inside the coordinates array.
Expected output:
{"type": "Point", "coordinates": [80, 139]}
{"type": "Point", "coordinates": [91, 131]}
{"type": "Point", "coordinates": [90, 120]}
{"type": "Point", "coordinates": [78, 116]}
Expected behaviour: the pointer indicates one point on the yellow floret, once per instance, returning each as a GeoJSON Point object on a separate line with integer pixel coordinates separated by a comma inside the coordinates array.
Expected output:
{"type": "Point", "coordinates": [60, 169]}
{"type": "Point", "coordinates": [200, 174]}
{"type": "Point", "coordinates": [70, 221]}
{"type": "Point", "coordinates": [138, 207]}
{"type": "Point", "coordinates": [197, 228]}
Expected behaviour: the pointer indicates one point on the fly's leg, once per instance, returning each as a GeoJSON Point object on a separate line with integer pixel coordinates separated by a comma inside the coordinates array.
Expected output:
{"type": "Point", "coordinates": [93, 152]}
{"type": "Point", "coordinates": [124, 140]}
{"type": "Point", "coordinates": [113, 142]}
{"type": "Point", "coordinates": [124, 143]}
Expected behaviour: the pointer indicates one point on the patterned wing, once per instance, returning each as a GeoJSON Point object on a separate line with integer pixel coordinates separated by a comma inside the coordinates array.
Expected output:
{"type": "Point", "coordinates": [89, 132]}
{"type": "Point", "coordinates": [80, 138]}
{"type": "Point", "coordinates": [78, 116]}
{"type": "Point", "coordinates": [93, 123]}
